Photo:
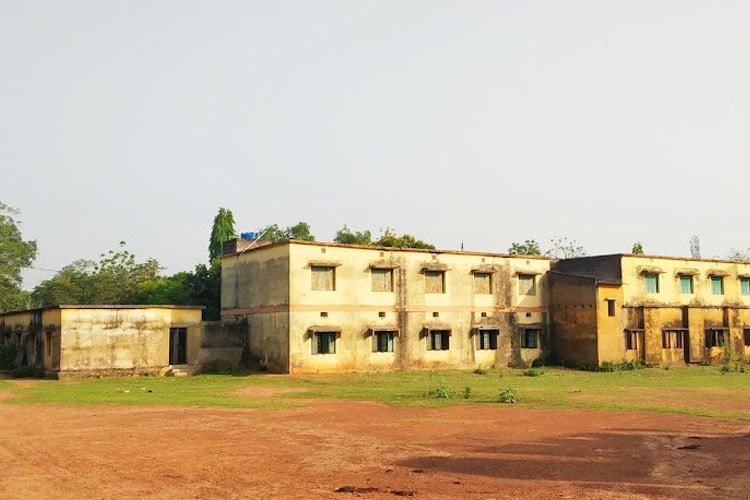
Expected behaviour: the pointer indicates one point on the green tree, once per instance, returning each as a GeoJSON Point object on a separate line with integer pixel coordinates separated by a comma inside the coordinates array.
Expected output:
{"type": "Point", "coordinates": [114, 279]}
{"type": "Point", "coordinates": [299, 231]}
{"type": "Point", "coordinates": [15, 254]}
{"type": "Point", "coordinates": [527, 247]}
{"type": "Point", "coordinates": [637, 248]}
{"type": "Point", "coordinates": [346, 235]}
{"type": "Point", "coordinates": [389, 238]}
{"type": "Point", "coordinates": [221, 232]}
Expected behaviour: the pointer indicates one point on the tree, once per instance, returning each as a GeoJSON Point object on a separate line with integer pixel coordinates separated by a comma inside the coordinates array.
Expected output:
{"type": "Point", "coordinates": [563, 248]}
{"type": "Point", "coordinates": [389, 238]}
{"type": "Point", "coordinates": [346, 235]}
{"type": "Point", "coordinates": [739, 255]}
{"type": "Point", "coordinates": [637, 248]}
{"type": "Point", "coordinates": [15, 254]}
{"type": "Point", "coordinates": [114, 279]}
{"type": "Point", "coordinates": [528, 247]}
{"type": "Point", "coordinates": [221, 231]}
{"type": "Point", "coordinates": [299, 231]}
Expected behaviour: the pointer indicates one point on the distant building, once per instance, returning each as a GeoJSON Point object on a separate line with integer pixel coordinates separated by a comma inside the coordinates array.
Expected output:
{"type": "Point", "coordinates": [660, 310]}
{"type": "Point", "coordinates": [69, 341]}
{"type": "Point", "coordinates": [324, 307]}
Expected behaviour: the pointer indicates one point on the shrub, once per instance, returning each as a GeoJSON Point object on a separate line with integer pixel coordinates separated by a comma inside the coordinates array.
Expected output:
{"type": "Point", "coordinates": [441, 392]}
{"type": "Point", "coordinates": [467, 393]}
{"type": "Point", "coordinates": [533, 372]}
{"type": "Point", "coordinates": [608, 366]}
{"type": "Point", "coordinates": [479, 371]}
{"type": "Point", "coordinates": [537, 363]}
{"type": "Point", "coordinates": [507, 395]}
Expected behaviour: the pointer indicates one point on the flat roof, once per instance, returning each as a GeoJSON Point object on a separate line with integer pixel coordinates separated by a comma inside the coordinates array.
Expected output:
{"type": "Point", "coordinates": [104, 306]}
{"type": "Point", "coordinates": [662, 257]}
{"type": "Point", "coordinates": [389, 249]}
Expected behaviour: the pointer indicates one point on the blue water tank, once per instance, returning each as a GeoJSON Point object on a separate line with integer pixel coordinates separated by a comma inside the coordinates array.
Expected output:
{"type": "Point", "coordinates": [248, 236]}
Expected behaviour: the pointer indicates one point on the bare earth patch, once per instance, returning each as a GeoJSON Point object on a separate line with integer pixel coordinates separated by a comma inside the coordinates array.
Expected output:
{"type": "Point", "coordinates": [347, 449]}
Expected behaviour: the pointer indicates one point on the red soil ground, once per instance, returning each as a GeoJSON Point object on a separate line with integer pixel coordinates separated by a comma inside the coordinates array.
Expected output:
{"type": "Point", "coordinates": [366, 450]}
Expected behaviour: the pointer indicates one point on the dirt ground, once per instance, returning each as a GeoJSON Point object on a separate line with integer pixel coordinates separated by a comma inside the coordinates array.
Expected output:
{"type": "Point", "coordinates": [344, 449]}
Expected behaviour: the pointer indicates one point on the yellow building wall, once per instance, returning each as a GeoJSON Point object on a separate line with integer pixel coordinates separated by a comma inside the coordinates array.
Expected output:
{"type": "Point", "coordinates": [116, 339]}
{"type": "Point", "coordinates": [353, 307]}
{"type": "Point", "coordinates": [611, 339]}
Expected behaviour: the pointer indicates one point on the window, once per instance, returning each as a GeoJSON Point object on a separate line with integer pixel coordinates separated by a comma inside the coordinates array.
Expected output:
{"type": "Point", "coordinates": [488, 339]}
{"type": "Point", "coordinates": [714, 337]}
{"type": "Point", "coordinates": [746, 334]}
{"type": "Point", "coordinates": [323, 278]}
{"type": "Point", "coordinates": [672, 339]}
{"type": "Point", "coordinates": [610, 307]}
{"type": "Point", "coordinates": [383, 341]}
{"type": "Point", "coordinates": [438, 340]}
{"type": "Point", "coordinates": [324, 343]}
{"type": "Point", "coordinates": [744, 286]}
{"type": "Point", "coordinates": [483, 283]}
{"type": "Point", "coordinates": [631, 340]}
{"type": "Point", "coordinates": [382, 280]}
{"type": "Point", "coordinates": [434, 281]}
{"type": "Point", "coordinates": [651, 282]}
{"type": "Point", "coordinates": [526, 284]}
{"type": "Point", "coordinates": [686, 284]}
{"type": "Point", "coordinates": [530, 338]}
{"type": "Point", "coordinates": [717, 285]}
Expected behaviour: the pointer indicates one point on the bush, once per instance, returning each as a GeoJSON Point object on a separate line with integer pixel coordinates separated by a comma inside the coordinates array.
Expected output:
{"type": "Point", "coordinates": [467, 393]}
{"type": "Point", "coordinates": [7, 356]}
{"type": "Point", "coordinates": [479, 371]}
{"type": "Point", "coordinates": [507, 395]}
{"type": "Point", "coordinates": [533, 372]}
{"type": "Point", "coordinates": [441, 392]}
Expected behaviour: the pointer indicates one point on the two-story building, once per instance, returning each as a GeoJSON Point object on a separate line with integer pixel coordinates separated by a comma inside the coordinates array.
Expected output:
{"type": "Point", "coordinates": [313, 306]}
{"type": "Point", "coordinates": [660, 310]}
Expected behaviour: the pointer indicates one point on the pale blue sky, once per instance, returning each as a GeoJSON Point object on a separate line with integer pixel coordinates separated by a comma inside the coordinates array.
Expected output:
{"type": "Point", "coordinates": [487, 122]}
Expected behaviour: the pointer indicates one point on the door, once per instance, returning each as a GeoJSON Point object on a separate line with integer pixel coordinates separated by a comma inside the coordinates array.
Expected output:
{"type": "Point", "coordinates": [178, 346]}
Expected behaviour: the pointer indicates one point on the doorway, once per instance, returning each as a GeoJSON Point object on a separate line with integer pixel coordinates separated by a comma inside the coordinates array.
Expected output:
{"type": "Point", "coordinates": [178, 346]}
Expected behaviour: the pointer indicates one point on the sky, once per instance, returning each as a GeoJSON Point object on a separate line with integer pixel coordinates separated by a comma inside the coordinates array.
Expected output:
{"type": "Point", "coordinates": [474, 122]}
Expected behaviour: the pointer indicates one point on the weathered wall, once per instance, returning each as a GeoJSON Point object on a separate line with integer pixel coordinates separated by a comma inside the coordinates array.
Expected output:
{"type": "Point", "coordinates": [124, 339]}
{"type": "Point", "coordinates": [255, 289]}
{"type": "Point", "coordinates": [573, 314]}
{"type": "Point", "coordinates": [36, 336]}
{"type": "Point", "coordinates": [354, 308]}
{"type": "Point", "coordinates": [611, 340]}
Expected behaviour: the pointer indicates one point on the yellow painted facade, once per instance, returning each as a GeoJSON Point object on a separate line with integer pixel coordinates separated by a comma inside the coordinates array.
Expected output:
{"type": "Point", "coordinates": [321, 307]}
{"type": "Point", "coordinates": [666, 310]}
{"type": "Point", "coordinates": [90, 340]}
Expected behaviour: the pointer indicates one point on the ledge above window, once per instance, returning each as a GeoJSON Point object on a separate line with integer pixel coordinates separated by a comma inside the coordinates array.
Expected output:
{"type": "Point", "coordinates": [325, 328]}
{"type": "Point", "coordinates": [436, 326]}
{"type": "Point", "coordinates": [384, 264]}
{"type": "Point", "coordinates": [323, 263]}
{"type": "Point", "coordinates": [649, 270]}
{"type": "Point", "coordinates": [686, 271]}
{"type": "Point", "coordinates": [717, 272]}
{"type": "Point", "coordinates": [485, 268]}
{"type": "Point", "coordinates": [374, 329]}
{"type": "Point", "coordinates": [434, 266]}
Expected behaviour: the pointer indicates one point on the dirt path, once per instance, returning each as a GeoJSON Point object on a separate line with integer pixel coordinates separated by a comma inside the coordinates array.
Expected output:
{"type": "Point", "coordinates": [368, 450]}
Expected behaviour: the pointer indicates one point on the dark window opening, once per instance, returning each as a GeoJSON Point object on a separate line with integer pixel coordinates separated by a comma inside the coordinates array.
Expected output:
{"type": "Point", "coordinates": [324, 343]}
{"type": "Point", "coordinates": [488, 339]}
{"type": "Point", "coordinates": [438, 340]}
{"type": "Point", "coordinates": [530, 338]}
{"type": "Point", "coordinates": [383, 341]}
{"type": "Point", "coordinates": [714, 337]}
{"type": "Point", "coordinates": [610, 307]}
{"type": "Point", "coordinates": [746, 334]}
{"type": "Point", "coordinates": [673, 339]}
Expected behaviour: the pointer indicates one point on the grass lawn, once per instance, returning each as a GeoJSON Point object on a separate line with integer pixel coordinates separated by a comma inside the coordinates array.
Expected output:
{"type": "Point", "coordinates": [693, 390]}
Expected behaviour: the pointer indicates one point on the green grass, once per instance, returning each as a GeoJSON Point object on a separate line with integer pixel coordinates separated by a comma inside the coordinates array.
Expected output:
{"type": "Point", "coordinates": [692, 390]}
